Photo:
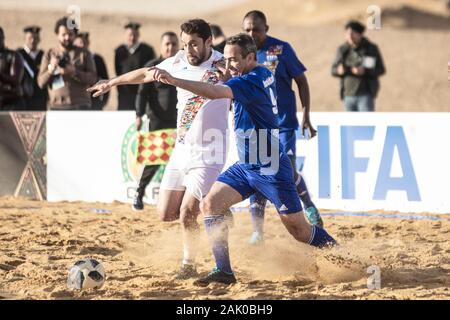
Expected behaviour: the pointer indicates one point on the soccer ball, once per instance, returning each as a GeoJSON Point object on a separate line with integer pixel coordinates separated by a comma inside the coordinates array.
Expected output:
{"type": "Point", "coordinates": [86, 274]}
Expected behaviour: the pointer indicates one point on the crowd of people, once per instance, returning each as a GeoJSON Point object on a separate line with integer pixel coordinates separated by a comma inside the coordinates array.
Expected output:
{"type": "Point", "coordinates": [34, 80]}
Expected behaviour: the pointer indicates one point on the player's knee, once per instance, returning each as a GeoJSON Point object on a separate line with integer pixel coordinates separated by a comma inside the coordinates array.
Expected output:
{"type": "Point", "coordinates": [206, 206]}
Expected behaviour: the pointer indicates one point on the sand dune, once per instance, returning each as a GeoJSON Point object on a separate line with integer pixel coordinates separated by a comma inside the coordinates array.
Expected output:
{"type": "Point", "coordinates": [39, 241]}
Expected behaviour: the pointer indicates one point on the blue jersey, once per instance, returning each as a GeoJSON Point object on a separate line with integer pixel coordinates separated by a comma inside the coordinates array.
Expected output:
{"type": "Point", "coordinates": [256, 120]}
{"type": "Point", "coordinates": [281, 59]}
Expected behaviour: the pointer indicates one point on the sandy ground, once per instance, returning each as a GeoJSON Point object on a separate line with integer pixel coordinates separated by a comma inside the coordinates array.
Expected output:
{"type": "Point", "coordinates": [414, 39]}
{"type": "Point", "coordinates": [39, 241]}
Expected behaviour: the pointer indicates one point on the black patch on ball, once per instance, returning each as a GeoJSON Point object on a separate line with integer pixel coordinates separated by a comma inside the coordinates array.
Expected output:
{"type": "Point", "coordinates": [94, 263]}
{"type": "Point", "coordinates": [79, 263]}
{"type": "Point", "coordinates": [80, 280]}
{"type": "Point", "coordinates": [95, 275]}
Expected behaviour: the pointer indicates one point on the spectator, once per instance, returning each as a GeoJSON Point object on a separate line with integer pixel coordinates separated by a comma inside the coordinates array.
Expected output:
{"type": "Point", "coordinates": [358, 63]}
{"type": "Point", "coordinates": [82, 41]}
{"type": "Point", "coordinates": [11, 73]}
{"type": "Point", "coordinates": [128, 57]}
{"type": "Point", "coordinates": [35, 98]}
{"type": "Point", "coordinates": [159, 101]}
{"type": "Point", "coordinates": [67, 71]}
{"type": "Point", "coordinates": [218, 38]}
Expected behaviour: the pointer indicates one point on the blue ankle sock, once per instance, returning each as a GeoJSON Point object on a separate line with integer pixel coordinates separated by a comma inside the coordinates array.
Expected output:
{"type": "Point", "coordinates": [217, 231]}
{"type": "Point", "coordinates": [320, 238]}
{"type": "Point", "coordinates": [257, 210]}
{"type": "Point", "coordinates": [303, 192]}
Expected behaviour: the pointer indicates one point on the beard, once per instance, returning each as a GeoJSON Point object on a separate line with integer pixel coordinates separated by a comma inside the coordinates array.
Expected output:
{"type": "Point", "coordinates": [197, 60]}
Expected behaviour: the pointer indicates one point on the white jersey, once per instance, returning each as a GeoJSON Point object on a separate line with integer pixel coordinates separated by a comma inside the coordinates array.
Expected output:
{"type": "Point", "coordinates": [201, 123]}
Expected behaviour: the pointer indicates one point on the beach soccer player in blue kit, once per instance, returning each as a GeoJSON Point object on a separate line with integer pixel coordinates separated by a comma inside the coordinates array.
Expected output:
{"type": "Point", "coordinates": [262, 167]}
{"type": "Point", "coordinates": [280, 58]}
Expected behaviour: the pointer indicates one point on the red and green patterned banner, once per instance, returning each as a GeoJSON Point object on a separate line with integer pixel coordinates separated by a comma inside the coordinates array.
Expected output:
{"type": "Point", "coordinates": [155, 148]}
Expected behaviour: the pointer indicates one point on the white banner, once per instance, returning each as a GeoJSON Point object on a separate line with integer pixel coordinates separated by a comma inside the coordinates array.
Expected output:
{"type": "Point", "coordinates": [358, 162]}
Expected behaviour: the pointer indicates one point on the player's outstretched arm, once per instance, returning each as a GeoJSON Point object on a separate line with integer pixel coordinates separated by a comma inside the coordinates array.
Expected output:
{"type": "Point", "coordinates": [137, 76]}
{"type": "Point", "coordinates": [202, 89]}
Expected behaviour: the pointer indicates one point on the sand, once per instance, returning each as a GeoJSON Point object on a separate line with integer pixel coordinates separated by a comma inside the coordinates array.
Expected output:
{"type": "Point", "coordinates": [414, 39]}
{"type": "Point", "coordinates": [39, 242]}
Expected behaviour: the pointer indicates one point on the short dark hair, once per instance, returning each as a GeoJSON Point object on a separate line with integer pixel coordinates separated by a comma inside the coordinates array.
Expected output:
{"type": "Point", "coordinates": [216, 31]}
{"type": "Point", "coordinates": [63, 22]}
{"type": "Point", "coordinates": [169, 34]}
{"type": "Point", "coordinates": [1, 31]}
{"type": "Point", "coordinates": [83, 35]}
{"type": "Point", "coordinates": [355, 26]}
{"type": "Point", "coordinates": [197, 26]}
{"type": "Point", "coordinates": [245, 42]}
{"type": "Point", "coordinates": [256, 14]}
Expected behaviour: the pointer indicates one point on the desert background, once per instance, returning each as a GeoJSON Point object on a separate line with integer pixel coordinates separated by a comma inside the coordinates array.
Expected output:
{"type": "Point", "coordinates": [414, 38]}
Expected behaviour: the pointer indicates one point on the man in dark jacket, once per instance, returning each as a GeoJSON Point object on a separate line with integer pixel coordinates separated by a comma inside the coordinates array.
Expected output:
{"type": "Point", "coordinates": [359, 64]}
{"type": "Point", "coordinates": [128, 57]}
{"type": "Point", "coordinates": [83, 41]}
{"type": "Point", "coordinates": [11, 73]}
{"type": "Point", "coordinates": [159, 102]}
{"type": "Point", "coordinates": [35, 97]}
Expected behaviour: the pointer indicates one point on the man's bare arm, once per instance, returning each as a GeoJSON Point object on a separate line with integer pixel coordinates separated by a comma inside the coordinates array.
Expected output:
{"type": "Point", "coordinates": [303, 89]}
{"type": "Point", "coordinates": [202, 89]}
{"type": "Point", "coordinates": [137, 76]}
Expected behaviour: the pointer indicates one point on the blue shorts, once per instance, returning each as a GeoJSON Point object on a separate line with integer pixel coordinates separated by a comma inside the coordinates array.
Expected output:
{"type": "Point", "coordinates": [288, 140]}
{"type": "Point", "coordinates": [279, 188]}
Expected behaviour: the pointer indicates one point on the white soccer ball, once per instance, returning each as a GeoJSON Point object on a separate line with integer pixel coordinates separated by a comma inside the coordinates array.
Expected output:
{"type": "Point", "coordinates": [86, 274]}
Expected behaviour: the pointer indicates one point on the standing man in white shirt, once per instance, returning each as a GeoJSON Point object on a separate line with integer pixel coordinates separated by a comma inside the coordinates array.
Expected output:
{"type": "Point", "coordinates": [200, 151]}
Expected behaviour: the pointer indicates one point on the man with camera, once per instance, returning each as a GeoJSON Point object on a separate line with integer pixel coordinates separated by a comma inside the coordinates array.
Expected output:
{"type": "Point", "coordinates": [67, 71]}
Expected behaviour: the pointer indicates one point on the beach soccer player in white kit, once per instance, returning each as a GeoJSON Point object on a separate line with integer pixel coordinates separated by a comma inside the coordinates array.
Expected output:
{"type": "Point", "coordinates": [200, 150]}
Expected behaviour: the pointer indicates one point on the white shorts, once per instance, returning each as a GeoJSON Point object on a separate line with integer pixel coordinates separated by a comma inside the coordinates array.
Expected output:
{"type": "Point", "coordinates": [197, 181]}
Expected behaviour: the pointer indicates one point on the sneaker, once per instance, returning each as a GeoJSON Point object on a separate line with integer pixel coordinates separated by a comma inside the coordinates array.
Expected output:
{"type": "Point", "coordinates": [229, 218]}
{"type": "Point", "coordinates": [314, 217]}
{"type": "Point", "coordinates": [257, 239]}
{"type": "Point", "coordinates": [187, 271]}
{"type": "Point", "coordinates": [216, 276]}
{"type": "Point", "coordinates": [138, 204]}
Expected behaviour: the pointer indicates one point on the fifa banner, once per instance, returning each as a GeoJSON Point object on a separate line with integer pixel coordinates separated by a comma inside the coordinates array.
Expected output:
{"type": "Point", "coordinates": [358, 161]}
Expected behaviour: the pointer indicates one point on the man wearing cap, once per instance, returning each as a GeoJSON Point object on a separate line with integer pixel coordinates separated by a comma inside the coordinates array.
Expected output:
{"type": "Point", "coordinates": [358, 63]}
{"type": "Point", "coordinates": [83, 41]}
{"type": "Point", "coordinates": [128, 57]}
{"type": "Point", "coordinates": [11, 73]}
{"type": "Point", "coordinates": [35, 97]}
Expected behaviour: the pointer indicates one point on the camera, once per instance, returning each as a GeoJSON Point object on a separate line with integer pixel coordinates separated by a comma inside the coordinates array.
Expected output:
{"type": "Point", "coordinates": [63, 61]}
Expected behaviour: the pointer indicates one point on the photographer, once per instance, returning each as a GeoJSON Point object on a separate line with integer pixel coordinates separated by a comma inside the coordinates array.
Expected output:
{"type": "Point", "coordinates": [67, 71]}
